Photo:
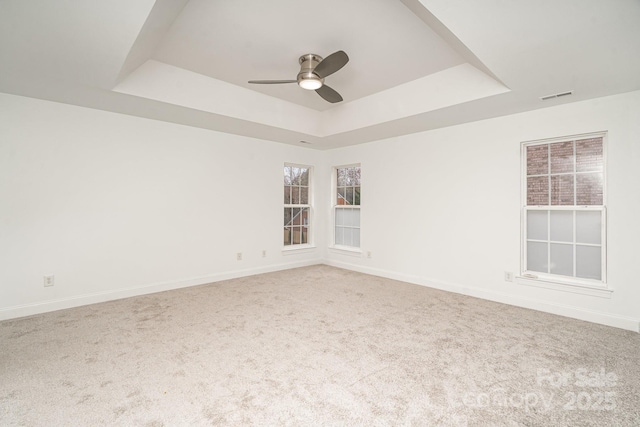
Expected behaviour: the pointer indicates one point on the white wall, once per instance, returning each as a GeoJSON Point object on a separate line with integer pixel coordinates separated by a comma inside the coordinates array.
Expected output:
{"type": "Point", "coordinates": [442, 208]}
{"type": "Point", "coordinates": [114, 205]}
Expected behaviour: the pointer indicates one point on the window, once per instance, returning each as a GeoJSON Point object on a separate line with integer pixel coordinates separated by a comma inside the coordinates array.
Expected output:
{"type": "Point", "coordinates": [297, 205]}
{"type": "Point", "coordinates": [346, 207]}
{"type": "Point", "coordinates": [564, 215]}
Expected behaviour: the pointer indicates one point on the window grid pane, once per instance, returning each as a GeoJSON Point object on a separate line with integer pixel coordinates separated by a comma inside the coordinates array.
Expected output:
{"type": "Point", "coordinates": [339, 238]}
{"type": "Point", "coordinates": [561, 226]}
{"type": "Point", "coordinates": [537, 225]}
{"type": "Point", "coordinates": [304, 195]}
{"type": "Point", "coordinates": [342, 196]}
{"type": "Point", "coordinates": [295, 195]}
{"type": "Point", "coordinates": [589, 262]}
{"type": "Point", "coordinates": [287, 194]}
{"type": "Point", "coordinates": [287, 236]}
{"type": "Point", "coordinates": [349, 195]}
{"type": "Point", "coordinates": [537, 160]}
{"type": "Point", "coordinates": [561, 258]}
{"type": "Point", "coordinates": [589, 155]}
{"type": "Point", "coordinates": [562, 190]}
{"type": "Point", "coordinates": [589, 227]}
{"type": "Point", "coordinates": [287, 216]}
{"type": "Point", "coordinates": [561, 157]}
{"type": "Point", "coordinates": [589, 189]}
{"type": "Point", "coordinates": [537, 190]}
{"type": "Point", "coordinates": [537, 257]}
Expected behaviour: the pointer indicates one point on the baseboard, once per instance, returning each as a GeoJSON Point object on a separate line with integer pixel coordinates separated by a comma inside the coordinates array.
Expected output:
{"type": "Point", "coordinates": [93, 298]}
{"type": "Point", "coordinates": [608, 319]}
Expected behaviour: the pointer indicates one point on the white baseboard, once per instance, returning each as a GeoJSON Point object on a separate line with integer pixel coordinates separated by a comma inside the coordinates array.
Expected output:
{"type": "Point", "coordinates": [608, 319]}
{"type": "Point", "coordinates": [93, 298]}
{"type": "Point", "coordinates": [97, 297]}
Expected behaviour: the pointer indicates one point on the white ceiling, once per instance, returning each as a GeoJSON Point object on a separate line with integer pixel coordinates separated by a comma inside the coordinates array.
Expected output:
{"type": "Point", "coordinates": [238, 41]}
{"type": "Point", "coordinates": [414, 64]}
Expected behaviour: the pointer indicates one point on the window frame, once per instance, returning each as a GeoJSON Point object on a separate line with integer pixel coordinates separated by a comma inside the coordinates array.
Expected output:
{"type": "Point", "coordinates": [310, 226]}
{"type": "Point", "coordinates": [557, 281]}
{"type": "Point", "coordinates": [335, 206]}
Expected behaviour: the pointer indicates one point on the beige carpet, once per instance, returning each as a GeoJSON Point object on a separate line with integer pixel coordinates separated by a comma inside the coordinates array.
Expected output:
{"type": "Point", "coordinates": [315, 346]}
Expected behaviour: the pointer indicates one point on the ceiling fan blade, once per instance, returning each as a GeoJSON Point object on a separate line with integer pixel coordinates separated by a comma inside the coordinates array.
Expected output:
{"type": "Point", "coordinates": [331, 64]}
{"type": "Point", "coordinates": [329, 94]}
{"type": "Point", "coordinates": [271, 82]}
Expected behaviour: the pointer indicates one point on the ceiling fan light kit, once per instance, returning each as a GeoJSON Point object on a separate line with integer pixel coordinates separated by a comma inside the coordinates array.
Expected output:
{"type": "Point", "coordinates": [310, 83]}
{"type": "Point", "coordinates": [313, 70]}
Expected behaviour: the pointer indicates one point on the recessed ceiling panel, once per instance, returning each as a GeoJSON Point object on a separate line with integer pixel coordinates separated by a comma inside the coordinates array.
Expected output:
{"type": "Point", "coordinates": [237, 41]}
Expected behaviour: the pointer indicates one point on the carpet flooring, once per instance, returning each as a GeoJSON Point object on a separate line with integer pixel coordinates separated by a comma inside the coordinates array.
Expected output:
{"type": "Point", "coordinates": [314, 346]}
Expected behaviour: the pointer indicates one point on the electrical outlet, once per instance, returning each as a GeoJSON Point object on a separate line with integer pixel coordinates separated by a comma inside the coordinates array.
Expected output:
{"type": "Point", "coordinates": [239, 256]}
{"type": "Point", "coordinates": [264, 253]}
{"type": "Point", "coordinates": [48, 280]}
{"type": "Point", "coordinates": [368, 254]}
{"type": "Point", "coordinates": [508, 276]}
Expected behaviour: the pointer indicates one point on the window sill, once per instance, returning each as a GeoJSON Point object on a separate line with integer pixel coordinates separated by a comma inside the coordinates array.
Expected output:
{"type": "Point", "coordinates": [573, 287]}
{"type": "Point", "coordinates": [298, 249]}
{"type": "Point", "coordinates": [346, 250]}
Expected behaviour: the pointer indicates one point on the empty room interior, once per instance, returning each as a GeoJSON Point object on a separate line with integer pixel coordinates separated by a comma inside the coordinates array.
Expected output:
{"type": "Point", "coordinates": [445, 233]}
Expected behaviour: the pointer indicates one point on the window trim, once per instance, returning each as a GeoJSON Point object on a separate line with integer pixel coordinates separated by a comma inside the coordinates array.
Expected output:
{"type": "Point", "coordinates": [349, 250]}
{"type": "Point", "coordinates": [555, 281]}
{"type": "Point", "coordinates": [303, 247]}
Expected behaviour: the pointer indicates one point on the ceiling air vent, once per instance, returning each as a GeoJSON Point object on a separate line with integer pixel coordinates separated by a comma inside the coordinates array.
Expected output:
{"type": "Point", "coordinates": [556, 95]}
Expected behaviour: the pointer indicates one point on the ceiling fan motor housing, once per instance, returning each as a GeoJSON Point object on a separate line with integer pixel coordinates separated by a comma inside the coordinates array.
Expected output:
{"type": "Point", "coordinates": [307, 79]}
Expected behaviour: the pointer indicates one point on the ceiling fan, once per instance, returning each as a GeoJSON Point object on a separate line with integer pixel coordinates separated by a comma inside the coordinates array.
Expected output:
{"type": "Point", "coordinates": [313, 70]}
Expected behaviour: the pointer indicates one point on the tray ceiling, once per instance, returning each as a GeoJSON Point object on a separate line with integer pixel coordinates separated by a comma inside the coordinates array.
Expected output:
{"type": "Point", "coordinates": [414, 65]}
